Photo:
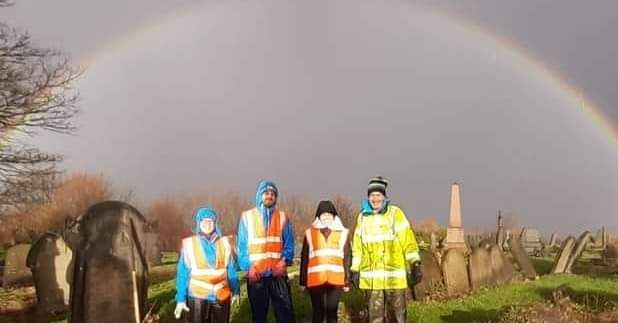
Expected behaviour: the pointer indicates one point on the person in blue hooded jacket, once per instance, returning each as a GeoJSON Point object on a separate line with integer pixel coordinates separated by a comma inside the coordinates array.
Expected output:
{"type": "Point", "coordinates": [206, 280]}
{"type": "Point", "coordinates": [265, 247]}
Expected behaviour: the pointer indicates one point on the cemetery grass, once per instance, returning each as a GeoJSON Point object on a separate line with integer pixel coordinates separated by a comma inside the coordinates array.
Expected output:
{"type": "Point", "coordinates": [596, 290]}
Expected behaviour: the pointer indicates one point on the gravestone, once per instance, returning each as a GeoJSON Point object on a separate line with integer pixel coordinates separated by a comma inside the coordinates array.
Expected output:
{"type": "Point", "coordinates": [500, 234]}
{"type": "Point", "coordinates": [521, 257]}
{"type": "Point", "coordinates": [531, 241]}
{"type": "Point", "coordinates": [479, 268]}
{"type": "Point", "coordinates": [433, 245]}
{"type": "Point", "coordinates": [562, 258]}
{"type": "Point", "coordinates": [553, 240]}
{"type": "Point", "coordinates": [487, 242]}
{"type": "Point", "coordinates": [153, 250]}
{"type": "Point", "coordinates": [610, 255]}
{"type": "Point", "coordinates": [580, 245]}
{"type": "Point", "coordinates": [455, 272]}
{"type": "Point", "coordinates": [110, 277]}
{"type": "Point", "coordinates": [16, 273]}
{"type": "Point", "coordinates": [49, 260]}
{"type": "Point", "coordinates": [599, 243]}
{"type": "Point", "coordinates": [501, 267]}
{"type": "Point", "coordinates": [432, 282]}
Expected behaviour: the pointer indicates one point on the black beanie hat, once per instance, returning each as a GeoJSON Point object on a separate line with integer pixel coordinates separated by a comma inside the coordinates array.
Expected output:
{"type": "Point", "coordinates": [377, 184]}
{"type": "Point", "coordinates": [326, 207]}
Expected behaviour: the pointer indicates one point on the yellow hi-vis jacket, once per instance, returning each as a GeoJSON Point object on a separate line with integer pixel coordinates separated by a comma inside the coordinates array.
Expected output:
{"type": "Point", "coordinates": [382, 247]}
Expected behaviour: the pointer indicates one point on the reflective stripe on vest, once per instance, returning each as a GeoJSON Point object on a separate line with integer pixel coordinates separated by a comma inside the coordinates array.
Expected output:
{"type": "Point", "coordinates": [325, 263]}
{"type": "Point", "coordinates": [383, 264]}
{"type": "Point", "coordinates": [205, 279]}
{"type": "Point", "coordinates": [265, 245]}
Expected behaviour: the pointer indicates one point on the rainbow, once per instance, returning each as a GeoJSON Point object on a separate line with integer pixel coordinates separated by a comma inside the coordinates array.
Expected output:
{"type": "Point", "coordinates": [535, 66]}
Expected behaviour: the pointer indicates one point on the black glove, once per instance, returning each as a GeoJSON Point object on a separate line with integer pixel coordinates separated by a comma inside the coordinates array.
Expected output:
{"type": "Point", "coordinates": [415, 275]}
{"type": "Point", "coordinates": [354, 278]}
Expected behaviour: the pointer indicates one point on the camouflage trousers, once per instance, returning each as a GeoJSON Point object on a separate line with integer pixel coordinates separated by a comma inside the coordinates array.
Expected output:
{"type": "Point", "coordinates": [386, 306]}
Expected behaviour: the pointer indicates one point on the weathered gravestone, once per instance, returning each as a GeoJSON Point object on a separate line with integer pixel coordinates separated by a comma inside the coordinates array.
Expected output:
{"type": "Point", "coordinates": [110, 280]}
{"type": "Point", "coordinates": [580, 245]}
{"type": "Point", "coordinates": [500, 234]}
{"type": "Point", "coordinates": [153, 250]}
{"type": "Point", "coordinates": [501, 267]}
{"type": "Point", "coordinates": [531, 241]}
{"type": "Point", "coordinates": [487, 242]}
{"type": "Point", "coordinates": [562, 258]}
{"type": "Point", "coordinates": [15, 270]}
{"type": "Point", "coordinates": [610, 255]}
{"type": "Point", "coordinates": [479, 268]}
{"type": "Point", "coordinates": [553, 241]}
{"type": "Point", "coordinates": [521, 257]}
{"type": "Point", "coordinates": [50, 261]}
{"type": "Point", "coordinates": [432, 282]}
{"type": "Point", "coordinates": [455, 272]}
{"type": "Point", "coordinates": [599, 242]}
{"type": "Point", "coordinates": [433, 245]}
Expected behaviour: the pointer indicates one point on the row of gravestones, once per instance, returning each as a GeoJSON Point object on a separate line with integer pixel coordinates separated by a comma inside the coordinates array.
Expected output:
{"type": "Point", "coordinates": [102, 271]}
{"type": "Point", "coordinates": [533, 244]}
{"type": "Point", "coordinates": [457, 274]}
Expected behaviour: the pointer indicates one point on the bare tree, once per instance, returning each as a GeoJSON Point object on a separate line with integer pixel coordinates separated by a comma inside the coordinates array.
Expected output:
{"type": "Point", "coordinates": [35, 95]}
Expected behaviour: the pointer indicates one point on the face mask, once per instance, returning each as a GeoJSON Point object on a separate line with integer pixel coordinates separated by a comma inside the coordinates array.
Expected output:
{"type": "Point", "coordinates": [207, 226]}
{"type": "Point", "coordinates": [327, 219]}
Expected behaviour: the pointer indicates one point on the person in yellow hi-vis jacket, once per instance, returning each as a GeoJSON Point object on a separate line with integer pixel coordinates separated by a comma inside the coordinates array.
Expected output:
{"type": "Point", "coordinates": [385, 255]}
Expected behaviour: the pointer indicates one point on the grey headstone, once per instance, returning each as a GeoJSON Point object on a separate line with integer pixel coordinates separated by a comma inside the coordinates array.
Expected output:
{"type": "Point", "coordinates": [433, 246]}
{"type": "Point", "coordinates": [500, 233]}
{"type": "Point", "coordinates": [562, 258]}
{"type": "Point", "coordinates": [153, 250]}
{"type": "Point", "coordinates": [455, 272]}
{"type": "Point", "coordinates": [531, 240]}
{"type": "Point", "coordinates": [599, 242]}
{"type": "Point", "coordinates": [110, 276]}
{"type": "Point", "coordinates": [487, 242]}
{"type": "Point", "coordinates": [580, 245]}
{"type": "Point", "coordinates": [501, 267]}
{"type": "Point", "coordinates": [15, 270]}
{"type": "Point", "coordinates": [610, 254]}
{"type": "Point", "coordinates": [521, 257]}
{"type": "Point", "coordinates": [479, 268]}
{"type": "Point", "coordinates": [50, 261]}
{"type": "Point", "coordinates": [553, 240]}
{"type": "Point", "coordinates": [432, 282]}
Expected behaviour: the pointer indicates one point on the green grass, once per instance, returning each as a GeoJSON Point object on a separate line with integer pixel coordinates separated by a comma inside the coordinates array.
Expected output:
{"type": "Point", "coordinates": [594, 292]}
{"type": "Point", "coordinates": [596, 288]}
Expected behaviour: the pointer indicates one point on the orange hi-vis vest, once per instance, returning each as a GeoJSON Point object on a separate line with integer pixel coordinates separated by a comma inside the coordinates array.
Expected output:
{"type": "Point", "coordinates": [205, 279]}
{"type": "Point", "coordinates": [325, 265]}
{"type": "Point", "coordinates": [265, 246]}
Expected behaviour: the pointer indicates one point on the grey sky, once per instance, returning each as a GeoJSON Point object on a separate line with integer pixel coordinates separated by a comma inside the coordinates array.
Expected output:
{"type": "Point", "coordinates": [322, 95]}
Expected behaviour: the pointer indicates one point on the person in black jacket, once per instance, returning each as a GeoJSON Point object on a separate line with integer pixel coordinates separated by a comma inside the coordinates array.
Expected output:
{"type": "Point", "coordinates": [325, 262]}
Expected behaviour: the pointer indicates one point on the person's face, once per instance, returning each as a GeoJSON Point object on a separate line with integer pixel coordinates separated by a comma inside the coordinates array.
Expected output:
{"type": "Point", "coordinates": [207, 226]}
{"type": "Point", "coordinates": [269, 198]}
{"type": "Point", "coordinates": [327, 218]}
{"type": "Point", "coordinates": [376, 199]}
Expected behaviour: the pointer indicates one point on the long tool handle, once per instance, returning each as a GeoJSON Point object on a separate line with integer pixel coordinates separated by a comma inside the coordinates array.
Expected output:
{"type": "Point", "coordinates": [135, 300]}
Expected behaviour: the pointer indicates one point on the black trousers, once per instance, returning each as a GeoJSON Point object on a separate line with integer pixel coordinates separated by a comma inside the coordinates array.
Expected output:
{"type": "Point", "coordinates": [201, 311]}
{"type": "Point", "coordinates": [325, 301]}
{"type": "Point", "coordinates": [275, 290]}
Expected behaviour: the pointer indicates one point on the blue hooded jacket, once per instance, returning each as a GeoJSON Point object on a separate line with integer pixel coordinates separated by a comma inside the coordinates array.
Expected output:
{"type": "Point", "coordinates": [287, 253]}
{"type": "Point", "coordinates": [183, 271]}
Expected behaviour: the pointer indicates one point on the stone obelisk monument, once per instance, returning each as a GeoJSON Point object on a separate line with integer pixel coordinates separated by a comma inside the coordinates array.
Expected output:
{"type": "Point", "coordinates": [455, 232]}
